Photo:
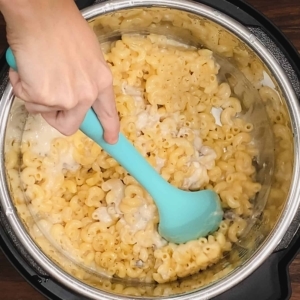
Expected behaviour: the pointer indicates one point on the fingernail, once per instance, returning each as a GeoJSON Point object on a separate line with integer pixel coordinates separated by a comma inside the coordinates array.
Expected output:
{"type": "Point", "coordinates": [111, 139]}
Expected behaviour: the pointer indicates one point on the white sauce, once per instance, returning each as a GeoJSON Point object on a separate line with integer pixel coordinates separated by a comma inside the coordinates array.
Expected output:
{"type": "Point", "coordinates": [116, 191]}
{"type": "Point", "coordinates": [184, 131]}
{"type": "Point", "coordinates": [197, 143]}
{"type": "Point", "coordinates": [136, 93]}
{"type": "Point", "coordinates": [102, 214]}
{"type": "Point", "coordinates": [165, 129]}
{"type": "Point", "coordinates": [203, 158]}
{"type": "Point", "coordinates": [208, 157]}
{"type": "Point", "coordinates": [147, 118]}
{"type": "Point", "coordinates": [16, 123]}
{"type": "Point", "coordinates": [163, 40]}
{"type": "Point", "coordinates": [144, 214]}
{"type": "Point", "coordinates": [160, 163]}
{"type": "Point", "coordinates": [267, 81]}
{"type": "Point", "coordinates": [157, 240]}
{"type": "Point", "coordinates": [40, 134]}
{"type": "Point", "coordinates": [198, 178]}
{"type": "Point", "coordinates": [216, 112]}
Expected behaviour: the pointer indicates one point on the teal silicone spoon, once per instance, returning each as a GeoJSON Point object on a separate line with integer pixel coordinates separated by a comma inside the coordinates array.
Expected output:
{"type": "Point", "coordinates": [184, 215]}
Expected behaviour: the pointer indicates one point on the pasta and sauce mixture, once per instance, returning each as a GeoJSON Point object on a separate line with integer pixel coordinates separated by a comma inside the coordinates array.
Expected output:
{"type": "Point", "coordinates": [186, 123]}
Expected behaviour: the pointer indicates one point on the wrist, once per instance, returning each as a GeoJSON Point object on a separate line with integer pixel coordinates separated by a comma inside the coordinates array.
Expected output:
{"type": "Point", "coordinates": [30, 19]}
{"type": "Point", "coordinates": [29, 9]}
{"type": "Point", "coordinates": [18, 5]}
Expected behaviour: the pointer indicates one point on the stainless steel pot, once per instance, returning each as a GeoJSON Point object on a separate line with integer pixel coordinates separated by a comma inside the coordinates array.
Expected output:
{"type": "Point", "coordinates": [275, 206]}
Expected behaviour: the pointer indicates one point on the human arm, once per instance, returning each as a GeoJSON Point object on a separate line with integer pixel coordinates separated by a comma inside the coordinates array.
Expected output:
{"type": "Point", "coordinates": [61, 70]}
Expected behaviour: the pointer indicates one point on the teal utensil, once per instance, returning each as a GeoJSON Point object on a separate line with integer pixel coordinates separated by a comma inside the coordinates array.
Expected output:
{"type": "Point", "coordinates": [184, 215]}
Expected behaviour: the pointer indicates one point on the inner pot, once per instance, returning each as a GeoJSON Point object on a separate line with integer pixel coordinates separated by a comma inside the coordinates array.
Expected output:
{"type": "Point", "coordinates": [267, 110]}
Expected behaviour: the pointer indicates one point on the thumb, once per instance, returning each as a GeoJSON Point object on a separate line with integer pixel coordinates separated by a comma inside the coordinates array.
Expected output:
{"type": "Point", "coordinates": [105, 108]}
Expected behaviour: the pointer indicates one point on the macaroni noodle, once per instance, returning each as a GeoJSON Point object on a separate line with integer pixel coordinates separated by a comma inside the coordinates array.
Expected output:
{"type": "Point", "coordinates": [92, 209]}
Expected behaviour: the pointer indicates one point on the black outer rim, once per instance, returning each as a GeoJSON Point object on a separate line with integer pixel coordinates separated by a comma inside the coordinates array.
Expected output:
{"type": "Point", "coordinates": [247, 15]}
{"type": "Point", "coordinates": [283, 43]}
{"type": "Point", "coordinates": [45, 285]}
{"type": "Point", "coordinates": [279, 261]}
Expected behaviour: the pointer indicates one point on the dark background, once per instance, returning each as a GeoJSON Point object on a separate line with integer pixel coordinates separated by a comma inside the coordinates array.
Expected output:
{"type": "Point", "coordinates": [286, 15]}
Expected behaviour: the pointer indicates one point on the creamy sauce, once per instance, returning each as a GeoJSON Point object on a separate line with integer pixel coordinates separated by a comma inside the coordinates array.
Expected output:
{"type": "Point", "coordinates": [216, 112]}
{"type": "Point", "coordinates": [160, 162]}
{"type": "Point", "coordinates": [147, 118]}
{"type": "Point", "coordinates": [136, 93]}
{"type": "Point", "coordinates": [172, 125]}
{"type": "Point", "coordinates": [197, 142]}
{"type": "Point", "coordinates": [165, 41]}
{"type": "Point", "coordinates": [208, 157]}
{"type": "Point", "coordinates": [157, 240]}
{"type": "Point", "coordinates": [166, 130]}
{"type": "Point", "coordinates": [39, 134]}
{"type": "Point", "coordinates": [116, 191]}
{"type": "Point", "coordinates": [16, 123]}
{"type": "Point", "coordinates": [198, 178]}
{"type": "Point", "coordinates": [102, 214]}
{"type": "Point", "coordinates": [143, 215]}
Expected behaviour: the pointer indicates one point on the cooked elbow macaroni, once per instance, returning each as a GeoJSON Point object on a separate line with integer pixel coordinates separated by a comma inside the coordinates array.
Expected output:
{"type": "Point", "coordinates": [91, 208]}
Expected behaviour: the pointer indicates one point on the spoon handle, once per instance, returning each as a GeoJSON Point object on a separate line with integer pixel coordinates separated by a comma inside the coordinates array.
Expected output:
{"type": "Point", "coordinates": [123, 151]}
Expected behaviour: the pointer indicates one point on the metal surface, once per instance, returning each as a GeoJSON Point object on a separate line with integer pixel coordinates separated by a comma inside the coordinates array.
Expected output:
{"type": "Point", "coordinates": [284, 63]}
{"type": "Point", "coordinates": [280, 228]}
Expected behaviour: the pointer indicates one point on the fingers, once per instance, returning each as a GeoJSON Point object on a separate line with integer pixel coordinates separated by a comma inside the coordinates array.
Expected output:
{"type": "Point", "coordinates": [17, 85]}
{"type": "Point", "coordinates": [66, 122]}
{"type": "Point", "coordinates": [13, 77]}
{"type": "Point", "coordinates": [39, 108]}
{"type": "Point", "coordinates": [105, 108]}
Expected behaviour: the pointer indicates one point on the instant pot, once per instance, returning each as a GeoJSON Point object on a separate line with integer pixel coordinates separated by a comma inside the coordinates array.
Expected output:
{"type": "Point", "coordinates": [266, 279]}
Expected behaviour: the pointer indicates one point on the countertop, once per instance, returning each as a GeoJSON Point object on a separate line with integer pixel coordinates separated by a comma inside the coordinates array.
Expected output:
{"type": "Point", "coordinates": [286, 15]}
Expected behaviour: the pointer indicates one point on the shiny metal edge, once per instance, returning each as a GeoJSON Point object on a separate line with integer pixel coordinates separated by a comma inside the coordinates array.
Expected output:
{"type": "Point", "coordinates": [20, 231]}
{"type": "Point", "coordinates": [291, 206]}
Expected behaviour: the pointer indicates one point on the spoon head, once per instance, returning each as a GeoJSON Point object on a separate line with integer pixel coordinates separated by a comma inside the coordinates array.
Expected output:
{"type": "Point", "coordinates": [189, 215]}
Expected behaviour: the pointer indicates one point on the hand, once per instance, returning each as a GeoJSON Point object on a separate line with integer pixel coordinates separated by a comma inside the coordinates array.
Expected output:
{"type": "Point", "coordinates": [61, 69]}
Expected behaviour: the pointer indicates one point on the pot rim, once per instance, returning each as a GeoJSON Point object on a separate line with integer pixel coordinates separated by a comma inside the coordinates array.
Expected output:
{"type": "Point", "coordinates": [291, 205]}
